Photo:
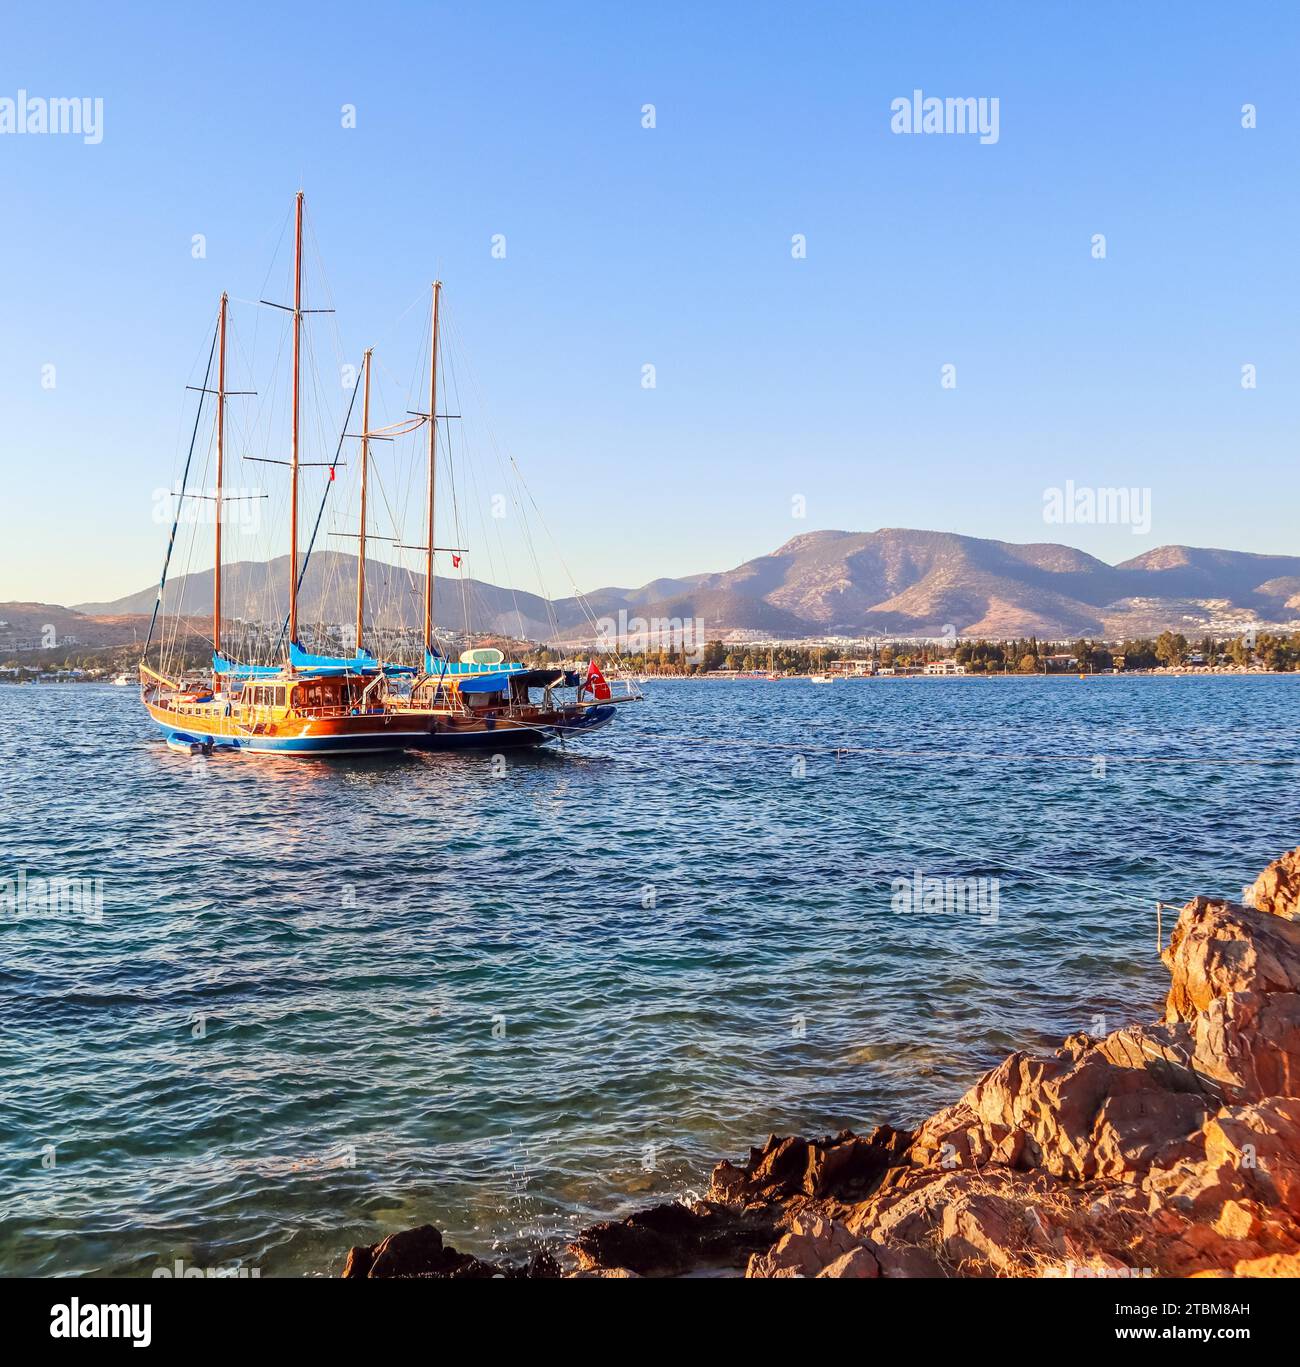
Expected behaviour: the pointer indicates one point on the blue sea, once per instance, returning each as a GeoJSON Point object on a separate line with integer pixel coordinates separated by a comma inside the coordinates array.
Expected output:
{"type": "Point", "coordinates": [322, 1000]}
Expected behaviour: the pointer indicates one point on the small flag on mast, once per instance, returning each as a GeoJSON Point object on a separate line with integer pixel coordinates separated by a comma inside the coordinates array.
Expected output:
{"type": "Point", "coordinates": [595, 684]}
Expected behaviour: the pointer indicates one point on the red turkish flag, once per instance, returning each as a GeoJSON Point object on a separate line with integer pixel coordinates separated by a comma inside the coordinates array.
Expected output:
{"type": "Point", "coordinates": [595, 682]}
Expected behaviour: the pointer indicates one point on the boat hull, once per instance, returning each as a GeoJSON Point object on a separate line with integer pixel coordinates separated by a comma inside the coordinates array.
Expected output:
{"type": "Point", "coordinates": [490, 733]}
{"type": "Point", "coordinates": [352, 735]}
{"type": "Point", "coordinates": [374, 733]}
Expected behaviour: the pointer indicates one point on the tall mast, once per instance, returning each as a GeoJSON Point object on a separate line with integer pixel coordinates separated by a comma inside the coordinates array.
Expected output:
{"type": "Point", "coordinates": [293, 458]}
{"type": "Point", "coordinates": [433, 451]}
{"type": "Point", "coordinates": [365, 462]}
{"type": "Point", "coordinates": [220, 506]}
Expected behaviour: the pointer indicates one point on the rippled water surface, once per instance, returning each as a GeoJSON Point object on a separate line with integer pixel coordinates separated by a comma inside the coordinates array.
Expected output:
{"type": "Point", "coordinates": [331, 998]}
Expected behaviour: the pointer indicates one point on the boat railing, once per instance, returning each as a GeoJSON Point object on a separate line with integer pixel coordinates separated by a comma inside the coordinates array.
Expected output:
{"type": "Point", "coordinates": [337, 710]}
{"type": "Point", "coordinates": [624, 690]}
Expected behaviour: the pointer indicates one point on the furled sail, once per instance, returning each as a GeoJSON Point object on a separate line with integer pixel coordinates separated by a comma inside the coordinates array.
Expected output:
{"type": "Point", "coordinates": [234, 670]}
{"type": "Point", "coordinates": [363, 662]}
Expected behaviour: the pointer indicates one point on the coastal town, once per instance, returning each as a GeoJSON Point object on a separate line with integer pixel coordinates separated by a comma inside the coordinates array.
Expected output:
{"type": "Point", "coordinates": [950, 657]}
{"type": "Point", "coordinates": [23, 660]}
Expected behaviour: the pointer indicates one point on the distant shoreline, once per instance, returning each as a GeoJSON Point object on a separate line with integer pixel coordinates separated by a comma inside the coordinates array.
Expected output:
{"type": "Point", "coordinates": [1011, 675]}
{"type": "Point", "coordinates": [967, 678]}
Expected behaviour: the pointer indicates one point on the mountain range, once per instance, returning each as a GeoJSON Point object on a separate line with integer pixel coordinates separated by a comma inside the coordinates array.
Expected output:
{"type": "Point", "coordinates": [894, 581]}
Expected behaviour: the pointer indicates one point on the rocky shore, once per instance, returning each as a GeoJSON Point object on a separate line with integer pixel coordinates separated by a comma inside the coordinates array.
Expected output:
{"type": "Point", "coordinates": [1162, 1150]}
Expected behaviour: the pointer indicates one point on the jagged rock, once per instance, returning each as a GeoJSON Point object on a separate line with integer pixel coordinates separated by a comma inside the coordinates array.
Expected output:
{"type": "Point", "coordinates": [420, 1252]}
{"type": "Point", "coordinates": [989, 1231]}
{"type": "Point", "coordinates": [959, 1137]}
{"type": "Point", "coordinates": [1239, 1220]}
{"type": "Point", "coordinates": [674, 1238]}
{"type": "Point", "coordinates": [1242, 1198]}
{"type": "Point", "coordinates": [1139, 1098]}
{"type": "Point", "coordinates": [1077, 1115]}
{"type": "Point", "coordinates": [408, 1253]}
{"type": "Point", "coordinates": [1277, 890]}
{"type": "Point", "coordinates": [1079, 1253]}
{"type": "Point", "coordinates": [1220, 947]}
{"type": "Point", "coordinates": [1258, 1146]}
{"type": "Point", "coordinates": [1276, 1265]}
{"type": "Point", "coordinates": [857, 1262]}
{"type": "Point", "coordinates": [906, 1260]}
{"type": "Point", "coordinates": [812, 1244]}
{"type": "Point", "coordinates": [1118, 1199]}
{"type": "Point", "coordinates": [1247, 1045]}
{"type": "Point", "coordinates": [910, 1210]}
{"type": "Point", "coordinates": [417, 1252]}
{"type": "Point", "coordinates": [846, 1167]}
{"type": "Point", "coordinates": [1135, 1130]}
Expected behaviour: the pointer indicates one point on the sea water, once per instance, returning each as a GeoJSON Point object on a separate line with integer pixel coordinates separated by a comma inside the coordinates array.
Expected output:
{"type": "Point", "coordinates": [316, 1001]}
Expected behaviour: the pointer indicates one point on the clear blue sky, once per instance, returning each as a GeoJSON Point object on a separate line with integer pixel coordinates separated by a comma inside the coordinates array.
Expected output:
{"type": "Point", "coordinates": [671, 246]}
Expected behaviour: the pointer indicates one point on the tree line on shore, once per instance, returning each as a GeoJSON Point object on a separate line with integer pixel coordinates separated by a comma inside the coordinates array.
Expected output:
{"type": "Point", "coordinates": [1020, 655]}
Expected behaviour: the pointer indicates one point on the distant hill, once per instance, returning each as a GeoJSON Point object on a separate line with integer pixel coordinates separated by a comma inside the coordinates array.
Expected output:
{"type": "Point", "coordinates": [890, 582]}
{"type": "Point", "coordinates": [901, 582]}
{"type": "Point", "coordinates": [27, 625]}
{"type": "Point", "coordinates": [257, 591]}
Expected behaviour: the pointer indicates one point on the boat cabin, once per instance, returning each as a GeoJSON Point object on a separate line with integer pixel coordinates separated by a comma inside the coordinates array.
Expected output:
{"type": "Point", "coordinates": [329, 697]}
{"type": "Point", "coordinates": [483, 691]}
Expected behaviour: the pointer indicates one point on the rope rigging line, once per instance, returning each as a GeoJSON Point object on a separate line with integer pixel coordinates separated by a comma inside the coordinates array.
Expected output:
{"type": "Point", "coordinates": [516, 484]}
{"type": "Point", "coordinates": [171, 540]}
{"type": "Point", "coordinates": [320, 512]}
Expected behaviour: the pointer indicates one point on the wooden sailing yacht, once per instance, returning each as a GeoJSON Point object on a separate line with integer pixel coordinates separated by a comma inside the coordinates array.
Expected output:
{"type": "Point", "coordinates": [312, 704]}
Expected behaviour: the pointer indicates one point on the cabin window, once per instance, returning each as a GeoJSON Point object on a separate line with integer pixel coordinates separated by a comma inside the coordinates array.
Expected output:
{"type": "Point", "coordinates": [318, 695]}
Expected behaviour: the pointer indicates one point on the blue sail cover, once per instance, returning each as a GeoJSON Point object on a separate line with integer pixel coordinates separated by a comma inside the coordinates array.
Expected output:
{"type": "Point", "coordinates": [221, 665]}
{"type": "Point", "coordinates": [363, 662]}
{"type": "Point", "coordinates": [438, 666]}
{"type": "Point", "coordinates": [308, 666]}
{"type": "Point", "coordinates": [302, 659]}
{"type": "Point", "coordinates": [486, 683]}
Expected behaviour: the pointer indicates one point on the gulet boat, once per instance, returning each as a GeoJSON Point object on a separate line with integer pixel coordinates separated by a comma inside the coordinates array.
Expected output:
{"type": "Point", "coordinates": [308, 703]}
